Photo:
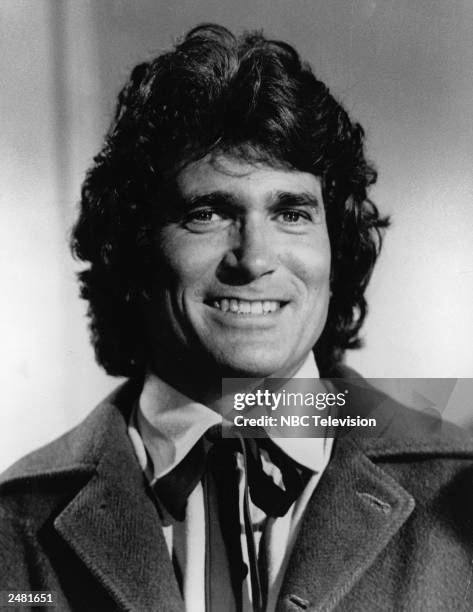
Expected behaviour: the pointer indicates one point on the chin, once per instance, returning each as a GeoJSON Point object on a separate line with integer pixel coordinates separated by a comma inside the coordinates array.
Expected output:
{"type": "Point", "coordinates": [252, 365]}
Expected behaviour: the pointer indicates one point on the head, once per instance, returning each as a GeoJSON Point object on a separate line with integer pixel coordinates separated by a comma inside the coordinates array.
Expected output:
{"type": "Point", "coordinates": [229, 173]}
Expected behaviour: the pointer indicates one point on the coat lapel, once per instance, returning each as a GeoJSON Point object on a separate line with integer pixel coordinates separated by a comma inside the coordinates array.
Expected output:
{"type": "Point", "coordinates": [113, 525]}
{"type": "Point", "coordinates": [354, 512]}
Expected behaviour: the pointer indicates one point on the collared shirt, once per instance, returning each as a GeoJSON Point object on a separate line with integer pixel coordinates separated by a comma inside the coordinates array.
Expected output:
{"type": "Point", "coordinates": [163, 429]}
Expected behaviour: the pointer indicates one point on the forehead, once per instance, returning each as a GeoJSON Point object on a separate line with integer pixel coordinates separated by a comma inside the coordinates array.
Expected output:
{"type": "Point", "coordinates": [226, 173]}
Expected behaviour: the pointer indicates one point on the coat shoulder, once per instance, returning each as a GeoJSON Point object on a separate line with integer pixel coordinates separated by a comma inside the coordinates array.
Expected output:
{"type": "Point", "coordinates": [400, 431]}
{"type": "Point", "coordinates": [42, 482]}
{"type": "Point", "coordinates": [79, 449]}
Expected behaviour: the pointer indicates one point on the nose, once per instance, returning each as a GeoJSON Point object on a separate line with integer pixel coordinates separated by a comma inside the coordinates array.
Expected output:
{"type": "Point", "coordinates": [251, 253]}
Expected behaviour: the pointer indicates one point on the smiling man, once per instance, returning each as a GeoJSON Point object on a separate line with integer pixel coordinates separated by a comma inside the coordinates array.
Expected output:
{"type": "Point", "coordinates": [228, 234]}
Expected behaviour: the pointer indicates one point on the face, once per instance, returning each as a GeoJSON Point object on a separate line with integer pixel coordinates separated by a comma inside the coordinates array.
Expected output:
{"type": "Point", "coordinates": [244, 264]}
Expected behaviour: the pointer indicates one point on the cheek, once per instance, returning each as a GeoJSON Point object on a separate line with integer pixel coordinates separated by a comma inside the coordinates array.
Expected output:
{"type": "Point", "coordinates": [185, 261]}
{"type": "Point", "coordinates": [311, 264]}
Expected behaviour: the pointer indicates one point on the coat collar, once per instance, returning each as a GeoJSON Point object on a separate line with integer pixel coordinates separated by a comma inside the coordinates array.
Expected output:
{"type": "Point", "coordinates": [112, 521]}
{"type": "Point", "coordinates": [113, 526]}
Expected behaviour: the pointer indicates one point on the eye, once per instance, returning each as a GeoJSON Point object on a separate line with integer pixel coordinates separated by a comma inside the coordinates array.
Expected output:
{"type": "Point", "coordinates": [204, 215]}
{"type": "Point", "coordinates": [293, 216]}
{"type": "Point", "coordinates": [205, 219]}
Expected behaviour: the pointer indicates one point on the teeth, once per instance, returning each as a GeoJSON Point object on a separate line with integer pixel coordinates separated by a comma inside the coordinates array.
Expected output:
{"type": "Point", "coordinates": [256, 308]}
{"type": "Point", "coordinates": [245, 307]}
{"type": "Point", "coordinates": [224, 305]}
{"type": "Point", "coordinates": [267, 306]}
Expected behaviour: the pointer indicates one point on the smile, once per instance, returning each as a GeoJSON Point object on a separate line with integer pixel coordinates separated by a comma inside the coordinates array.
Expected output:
{"type": "Point", "coordinates": [247, 307]}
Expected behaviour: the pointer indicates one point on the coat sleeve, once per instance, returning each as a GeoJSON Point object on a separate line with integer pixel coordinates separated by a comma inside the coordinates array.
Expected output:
{"type": "Point", "coordinates": [20, 562]}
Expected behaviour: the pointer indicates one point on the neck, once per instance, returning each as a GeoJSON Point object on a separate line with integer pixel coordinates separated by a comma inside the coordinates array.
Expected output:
{"type": "Point", "coordinates": [202, 381]}
{"type": "Point", "coordinates": [199, 381]}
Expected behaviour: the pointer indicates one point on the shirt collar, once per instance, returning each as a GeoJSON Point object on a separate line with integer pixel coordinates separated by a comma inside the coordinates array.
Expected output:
{"type": "Point", "coordinates": [166, 424]}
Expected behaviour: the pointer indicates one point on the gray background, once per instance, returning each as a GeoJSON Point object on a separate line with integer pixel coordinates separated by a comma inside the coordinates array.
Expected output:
{"type": "Point", "coordinates": [402, 67]}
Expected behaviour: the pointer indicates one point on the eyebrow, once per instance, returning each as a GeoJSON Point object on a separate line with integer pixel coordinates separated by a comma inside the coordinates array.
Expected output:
{"type": "Point", "coordinates": [212, 198]}
{"type": "Point", "coordinates": [298, 199]}
{"type": "Point", "coordinates": [226, 199]}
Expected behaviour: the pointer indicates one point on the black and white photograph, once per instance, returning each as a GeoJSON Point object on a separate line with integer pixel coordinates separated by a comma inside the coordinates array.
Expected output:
{"type": "Point", "coordinates": [236, 323]}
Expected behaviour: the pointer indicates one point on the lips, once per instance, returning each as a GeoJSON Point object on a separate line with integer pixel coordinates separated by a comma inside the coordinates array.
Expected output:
{"type": "Point", "coordinates": [246, 307]}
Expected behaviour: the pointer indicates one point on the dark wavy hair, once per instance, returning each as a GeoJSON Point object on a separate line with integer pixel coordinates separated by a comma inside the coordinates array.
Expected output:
{"type": "Point", "coordinates": [214, 91]}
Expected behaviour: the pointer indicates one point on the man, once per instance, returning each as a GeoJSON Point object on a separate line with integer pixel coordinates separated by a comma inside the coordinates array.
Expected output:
{"type": "Point", "coordinates": [229, 233]}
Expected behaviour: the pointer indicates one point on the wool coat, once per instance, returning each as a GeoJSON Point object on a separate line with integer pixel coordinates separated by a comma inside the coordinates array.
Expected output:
{"type": "Point", "coordinates": [389, 527]}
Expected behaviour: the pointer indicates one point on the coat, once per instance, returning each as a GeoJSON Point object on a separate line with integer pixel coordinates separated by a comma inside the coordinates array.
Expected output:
{"type": "Point", "coordinates": [389, 527]}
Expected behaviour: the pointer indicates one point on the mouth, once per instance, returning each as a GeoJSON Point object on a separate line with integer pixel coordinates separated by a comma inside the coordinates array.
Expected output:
{"type": "Point", "coordinates": [236, 306]}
